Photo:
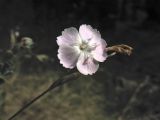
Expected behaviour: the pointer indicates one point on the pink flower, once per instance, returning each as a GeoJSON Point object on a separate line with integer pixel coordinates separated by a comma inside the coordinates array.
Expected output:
{"type": "Point", "coordinates": [83, 49]}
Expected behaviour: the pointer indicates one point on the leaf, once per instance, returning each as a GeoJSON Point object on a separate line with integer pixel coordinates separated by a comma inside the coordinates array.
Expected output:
{"type": "Point", "coordinates": [42, 57]}
{"type": "Point", "coordinates": [27, 42]}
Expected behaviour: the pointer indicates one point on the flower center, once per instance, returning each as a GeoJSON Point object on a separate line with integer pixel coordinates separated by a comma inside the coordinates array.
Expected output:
{"type": "Point", "coordinates": [84, 46]}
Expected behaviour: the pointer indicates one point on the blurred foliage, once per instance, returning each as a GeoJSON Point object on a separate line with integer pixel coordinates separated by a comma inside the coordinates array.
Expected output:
{"type": "Point", "coordinates": [1, 81]}
{"type": "Point", "coordinates": [124, 89]}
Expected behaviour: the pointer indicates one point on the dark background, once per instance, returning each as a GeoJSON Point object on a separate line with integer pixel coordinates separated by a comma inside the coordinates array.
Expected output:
{"type": "Point", "coordinates": [48, 18]}
{"type": "Point", "coordinates": [122, 78]}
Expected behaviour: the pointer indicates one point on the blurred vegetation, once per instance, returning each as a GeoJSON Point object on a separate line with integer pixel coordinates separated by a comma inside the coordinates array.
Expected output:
{"type": "Point", "coordinates": [125, 88]}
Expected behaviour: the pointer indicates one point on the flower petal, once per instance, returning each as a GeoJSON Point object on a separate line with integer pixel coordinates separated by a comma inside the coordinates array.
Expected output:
{"type": "Point", "coordinates": [68, 56]}
{"type": "Point", "coordinates": [87, 32]}
{"type": "Point", "coordinates": [70, 36]}
{"type": "Point", "coordinates": [87, 65]}
{"type": "Point", "coordinates": [99, 53]}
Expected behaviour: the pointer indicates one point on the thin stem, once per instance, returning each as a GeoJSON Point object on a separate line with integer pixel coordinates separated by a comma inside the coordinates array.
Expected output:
{"type": "Point", "coordinates": [133, 98]}
{"type": "Point", "coordinates": [55, 84]}
{"type": "Point", "coordinates": [28, 104]}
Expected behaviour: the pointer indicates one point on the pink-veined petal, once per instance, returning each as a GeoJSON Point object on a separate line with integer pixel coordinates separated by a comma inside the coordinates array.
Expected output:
{"type": "Point", "coordinates": [99, 53]}
{"type": "Point", "coordinates": [68, 56]}
{"type": "Point", "coordinates": [87, 65]}
{"type": "Point", "coordinates": [87, 32]}
{"type": "Point", "coordinates": [70, 36]}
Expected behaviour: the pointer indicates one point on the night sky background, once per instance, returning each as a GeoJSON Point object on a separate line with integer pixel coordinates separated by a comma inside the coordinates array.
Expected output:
{"type": "Point", "coordinates": [120, 79]}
